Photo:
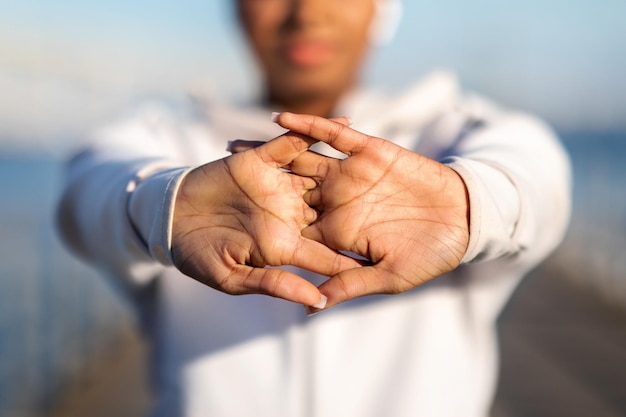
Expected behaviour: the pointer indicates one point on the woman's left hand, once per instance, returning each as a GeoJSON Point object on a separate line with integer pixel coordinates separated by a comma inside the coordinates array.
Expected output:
{"type": "Point", "coordinates": [406, 213]}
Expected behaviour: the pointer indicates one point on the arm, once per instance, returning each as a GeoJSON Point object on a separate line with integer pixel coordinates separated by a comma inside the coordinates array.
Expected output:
{"type": "Point", "coordinates": [220, 223]}
{"type": "Point", "coordinates": [416, 218]}
{"type": "Point", "coordinates": [519, 175]}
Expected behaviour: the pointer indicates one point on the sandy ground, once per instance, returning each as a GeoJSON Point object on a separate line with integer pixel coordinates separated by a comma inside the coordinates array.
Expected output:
{"type": "Point", "coordinates": [113, 385]}
{"type": "Point", "coordinates": [563, 353]}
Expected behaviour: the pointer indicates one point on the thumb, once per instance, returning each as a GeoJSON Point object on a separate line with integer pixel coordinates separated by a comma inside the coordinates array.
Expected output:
{"type": "Point", "coordinates": [335, 133]}
{"type": "Point", "coordinates": [284, 149]}
{"type": "Point", "coordinates": [354, 283]}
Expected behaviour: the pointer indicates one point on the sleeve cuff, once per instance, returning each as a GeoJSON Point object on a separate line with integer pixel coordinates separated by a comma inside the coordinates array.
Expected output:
{"type": "Point", "coordinates": [494, 209]}
{"type": "Point", "coordinates": [151, 207]}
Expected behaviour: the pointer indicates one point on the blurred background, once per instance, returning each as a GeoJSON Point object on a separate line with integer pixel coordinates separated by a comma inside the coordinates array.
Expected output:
{"type": "Point", "coordinates": [69, 344]}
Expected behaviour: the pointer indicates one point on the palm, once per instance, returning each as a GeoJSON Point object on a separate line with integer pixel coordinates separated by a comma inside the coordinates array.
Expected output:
{"type": "Point", "coordinates": [256, 220]}
{"type": "Point", "coordinates": [391, 212]}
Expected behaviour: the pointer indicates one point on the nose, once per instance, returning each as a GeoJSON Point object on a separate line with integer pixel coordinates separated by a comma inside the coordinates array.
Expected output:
{"type": "Point", "coordinates": [309, 12]}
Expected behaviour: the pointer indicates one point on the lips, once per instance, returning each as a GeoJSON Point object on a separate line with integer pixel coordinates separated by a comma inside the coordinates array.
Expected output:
{"type": "Point", "coordinates": [308, 53]}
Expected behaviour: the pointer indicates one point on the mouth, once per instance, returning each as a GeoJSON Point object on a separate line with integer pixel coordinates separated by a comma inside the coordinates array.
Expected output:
{"type": "Point", "coordinates": [307, 53]}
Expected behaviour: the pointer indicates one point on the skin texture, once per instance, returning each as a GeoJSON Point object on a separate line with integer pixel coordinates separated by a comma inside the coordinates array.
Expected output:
{"type": "Point", "coordinates": [237, 215]}
{"type": "Point", "coordinates": [309, 51]}
{"type": "Point", "coordinates": [404, 212]}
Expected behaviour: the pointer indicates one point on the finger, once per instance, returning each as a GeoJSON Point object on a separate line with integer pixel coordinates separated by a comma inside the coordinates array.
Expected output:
{"type": "Point", "coordinates": [304, 183]}
{"type": "Point", "coordinates": [313, 198]}
{"type": "Point", "coordinates": [341, 119]}
{"type": "Point", "coordinates": [276, 283]}
{"type": "Point", "coordinates": [314, 231]}
{"type": "Point", "coordinates": [312, 164]}
{"type": "Point", "coordinates": [331, 132]}
{"type": "Point", "coordinates": [319, 231]}
{"type": "Point", "coordinates": [310, 215]}
{"type": "Point", "coordinates": [240, 145]}
{"type": "Point", "coordinates": [344, 120]}
{"type": "Point", "coordinates": [320, 259]}
{"type": "Point", "coordinates": [281, 151]}
{"type": "Point", "coordinates": [355, 283]}
{"type": "Point", "coordinates": [285, 148]}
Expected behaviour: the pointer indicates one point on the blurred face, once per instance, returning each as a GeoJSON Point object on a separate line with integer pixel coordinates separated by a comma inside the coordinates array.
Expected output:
{"type": "Point", "coordinates": [307, 48]}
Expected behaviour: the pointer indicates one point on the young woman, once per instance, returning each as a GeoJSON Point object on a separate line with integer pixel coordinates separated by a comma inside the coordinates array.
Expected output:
{"type": "Point", "coordinates": [444, 200]}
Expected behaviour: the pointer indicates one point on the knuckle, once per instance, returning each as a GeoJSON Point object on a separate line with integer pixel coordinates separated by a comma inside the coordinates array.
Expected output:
{"type": "Point", "coordinates": [271, 282]}
{"type": "Point", "coordinates": [294, 141]}
{"type": "Point", "coordinates": [335, 131]}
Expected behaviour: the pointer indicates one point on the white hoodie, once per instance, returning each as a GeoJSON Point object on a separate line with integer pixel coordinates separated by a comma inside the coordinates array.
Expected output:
{"type": "Point", "coordinates": [428, 352]}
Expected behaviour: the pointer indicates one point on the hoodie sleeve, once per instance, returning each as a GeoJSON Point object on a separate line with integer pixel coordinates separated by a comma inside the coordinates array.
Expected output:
{"type": "Point", "coordinates": [117, 204]}
{"type": "Point", "coordinates": [518, 178]}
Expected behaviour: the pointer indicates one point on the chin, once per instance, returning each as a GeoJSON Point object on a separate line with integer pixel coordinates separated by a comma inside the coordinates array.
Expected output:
{"type": "Point", "coordinates": [309, 85]}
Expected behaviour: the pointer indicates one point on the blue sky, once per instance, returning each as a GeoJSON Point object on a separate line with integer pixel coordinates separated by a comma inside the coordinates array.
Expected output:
{"type": "Point", "coordinates": [565, 60]}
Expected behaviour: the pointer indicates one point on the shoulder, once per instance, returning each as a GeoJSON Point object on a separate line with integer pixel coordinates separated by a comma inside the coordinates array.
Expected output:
{"type": "Point", "coordinates": [382, 112]}
{"type": "Point", "coordinates": [149, 127]}
{"type": "Point", "coordinates": [150, 115]}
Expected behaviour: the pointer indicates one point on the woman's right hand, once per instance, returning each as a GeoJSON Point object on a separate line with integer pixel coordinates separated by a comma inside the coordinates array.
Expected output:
{"type": "Point", "coordinates": [235, 216]}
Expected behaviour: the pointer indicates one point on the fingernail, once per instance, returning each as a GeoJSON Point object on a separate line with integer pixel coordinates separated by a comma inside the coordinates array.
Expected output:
{"type": "Point", "coordinates": [316, 308]}
{"type": "Point", "coordinates": [349, 121]}
{"type": "Point", "coordinates": [275, 115]}
{"type": "Point", "coordinates": [229, 146]}
{"type": "Point", "coordinates": [321, 303]}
